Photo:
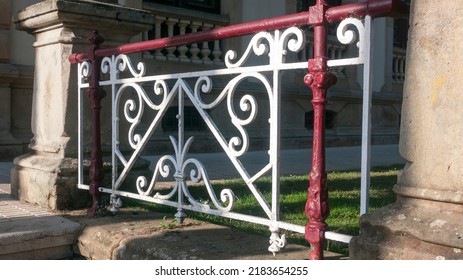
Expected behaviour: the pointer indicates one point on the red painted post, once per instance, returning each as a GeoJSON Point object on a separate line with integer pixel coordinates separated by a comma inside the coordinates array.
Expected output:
{"type": "Point", "coordinates": [319, 79]}
{"type": "Point", "coordinates": [95, 94]}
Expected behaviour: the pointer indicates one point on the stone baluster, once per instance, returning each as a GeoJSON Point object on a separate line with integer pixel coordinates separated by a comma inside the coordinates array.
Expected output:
{"type": "Point", "coordinates": [158, 21]}
{"type": "Point", "coordinates": [205, 51]}
{"type": "Point", "coordinates": [171, 22]}
{"type": "Point", "coordinates": [395, 70]}
{"type": "Point", "coordinates": [146, 54]}
{"type": "Point", "coordinates": [194, 49]}
{"type": "Point", "coordinates": [217, 52]}
{"type": "Point", "coordinates": [402, 68]}
{"type": "Point", "coordinates": [339, 54]}
{"type": "Point", "coordinates": [332, 55]}
{"type": "Point", "coordinates": [332, 51]}
{"type": "Point", "coordinates": [183, 49]}
{"type": "Point", "coordinates": [309, 49]}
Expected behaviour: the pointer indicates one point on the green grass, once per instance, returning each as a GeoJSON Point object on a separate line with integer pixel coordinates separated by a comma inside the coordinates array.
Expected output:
{"type": "Point", "coordinates": [344, 201]}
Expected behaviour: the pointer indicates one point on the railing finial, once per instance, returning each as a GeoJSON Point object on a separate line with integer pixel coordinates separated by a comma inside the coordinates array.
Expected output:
{"type": "Point", "coordinates": [95, 39]}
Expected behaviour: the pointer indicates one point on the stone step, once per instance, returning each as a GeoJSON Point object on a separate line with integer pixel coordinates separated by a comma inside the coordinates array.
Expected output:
{"type": "Point", "coordinates": [139, 235]}
{"type": "Point", "coordinates": [30, 232]}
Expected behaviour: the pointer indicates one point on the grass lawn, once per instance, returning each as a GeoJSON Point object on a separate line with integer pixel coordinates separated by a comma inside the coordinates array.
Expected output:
{"type": "Point", "coordinates": [344, 201]}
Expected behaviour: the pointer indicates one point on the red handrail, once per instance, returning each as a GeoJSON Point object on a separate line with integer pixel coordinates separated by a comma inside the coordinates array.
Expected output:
{"type": "Point", "coordinates": [374, 8]}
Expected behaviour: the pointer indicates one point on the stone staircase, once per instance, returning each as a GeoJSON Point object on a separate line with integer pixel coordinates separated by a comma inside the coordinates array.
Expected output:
{"type": "Point", "coordinates": [30, 232]}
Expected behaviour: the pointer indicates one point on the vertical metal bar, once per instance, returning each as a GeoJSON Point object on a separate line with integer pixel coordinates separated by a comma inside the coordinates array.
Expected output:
{"type": "Point", "coordinates": [80, 134]}
{"type": "Point", "coordinates": [275, 121]}
{"type": "Point", "coordinates": [114, 129]}
{"type": "Point", "coordinates": [95, 94]}
{"type": "Point", "coordinates": [366, 116]}
{"type": "Point", "coordinates": [277, 242]}
{"type": "Point", "coordinates": [319, 79]}
{"type": "Point", "coordinates": [179, 176]}
{"type": "Point", "coordinates": [114, 75]}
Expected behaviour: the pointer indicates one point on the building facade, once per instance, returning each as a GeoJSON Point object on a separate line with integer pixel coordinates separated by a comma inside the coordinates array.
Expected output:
{"type": "Point", "coordinates": [173, 17]}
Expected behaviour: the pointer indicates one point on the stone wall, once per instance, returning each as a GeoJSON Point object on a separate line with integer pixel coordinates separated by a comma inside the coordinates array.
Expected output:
{"type": "Point", "coordinates": [16, 82]}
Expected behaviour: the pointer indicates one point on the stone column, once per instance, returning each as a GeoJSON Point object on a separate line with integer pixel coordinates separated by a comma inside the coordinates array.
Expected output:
{"type": "Point", "coordinates": [48, 175]}
{"type": "Point", "coordinates": [426, 222]}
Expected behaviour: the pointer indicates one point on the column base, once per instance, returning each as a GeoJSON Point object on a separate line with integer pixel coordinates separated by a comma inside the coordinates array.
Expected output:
{"type": "Point", "coordinates": [48, 182]}
{"type": "Point", "coordinates": [410, 229]}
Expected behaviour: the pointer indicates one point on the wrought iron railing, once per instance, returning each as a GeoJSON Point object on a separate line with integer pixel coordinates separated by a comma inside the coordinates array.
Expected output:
{"type": "Point", "coordinates": [133, 91]}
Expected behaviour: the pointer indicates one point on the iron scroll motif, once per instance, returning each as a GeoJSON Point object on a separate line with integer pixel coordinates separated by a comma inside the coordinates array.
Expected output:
{"type": "Point", "coordinates": [159, 92]}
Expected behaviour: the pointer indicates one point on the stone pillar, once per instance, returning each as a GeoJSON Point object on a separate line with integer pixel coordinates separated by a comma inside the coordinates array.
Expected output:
{"type": "Point", "coordinates": [426, 222]}
{"type": "Point", "coordinates": [48, 175]}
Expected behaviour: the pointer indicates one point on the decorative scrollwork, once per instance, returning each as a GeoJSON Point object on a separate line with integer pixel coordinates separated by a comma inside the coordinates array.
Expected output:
{"type": "Point", "coordinates": [162, 169]}
{"type": "Point", "coordinates": [291, 39]}
{"type": "Point", "coordinates": [197, 174]}
{"type": "Point", "coordinates": [238, 145]}
{"type": "Point", "coordinates": [256, 45]}
{"type": "Point", "coordinates": [204, 85]}
{"type": "Point", "coordinates": [160, 89]}
{"type": "Point", "coordinates": [85, 70]}
{"type": "Point", "coordinates": [347, 37]}
{"type": "Point", "coordinates": [247, 104]}
{"type": "Point", "coordinates": [106, 64]}
{"type": "Point", "coordinates": [134, 106]}
{"type": "Point", "coordinates": [121, 63]}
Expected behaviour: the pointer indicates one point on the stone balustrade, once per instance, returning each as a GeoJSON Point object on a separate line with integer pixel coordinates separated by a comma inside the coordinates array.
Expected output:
{"type": "Point", "coordinates": [171, 21]}
{"type": "Point", "coordinates": [176, 21]}
{"type": "Point", "coordinates": [336, 50]}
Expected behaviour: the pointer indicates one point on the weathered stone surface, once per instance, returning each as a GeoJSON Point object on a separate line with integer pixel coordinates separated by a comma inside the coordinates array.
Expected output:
{"type": "Point", "coordinates": [409, 231]}
{"type": "Point", "coordinates": [50, 183]}
{"type": "Point", "coordinates": [143, 235]}
{"type": "Point", "coordinates": [426, 221]}
{"type": "Point", "coordinates": [61, 27]}
{"type": "Point", "coordinates": [38, 238]}
{"type": "Point", "coordinates": [432, 130]}
{"type": "Point", "coordinates": [30, 232]}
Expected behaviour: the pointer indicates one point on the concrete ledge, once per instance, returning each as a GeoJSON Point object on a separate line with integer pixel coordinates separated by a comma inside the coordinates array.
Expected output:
{"type": "Point", "coordinates": [408, 232]}
{"type": "Point", "coordinates": [29, 232]}
{"type": "Point", "coordinates": [35, 238]}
